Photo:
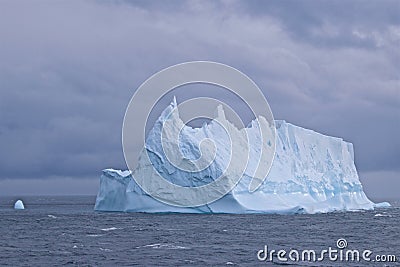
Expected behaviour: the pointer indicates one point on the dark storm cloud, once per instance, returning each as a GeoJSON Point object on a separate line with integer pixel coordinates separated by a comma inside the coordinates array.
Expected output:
{"type": "Point", "coordinates": [329, 23]}
{"type": "Point", "coordinates": [68, 70]}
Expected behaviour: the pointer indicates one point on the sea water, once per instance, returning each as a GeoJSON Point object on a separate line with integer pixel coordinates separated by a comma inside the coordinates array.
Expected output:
{"type": "Point", "coordinates": [66, 231]}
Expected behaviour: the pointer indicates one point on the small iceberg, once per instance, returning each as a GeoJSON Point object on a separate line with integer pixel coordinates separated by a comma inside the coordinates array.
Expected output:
{"type": "Point", "coordinates": [382, 205]}
{"type": "Point", "coordinates": [19, 205]}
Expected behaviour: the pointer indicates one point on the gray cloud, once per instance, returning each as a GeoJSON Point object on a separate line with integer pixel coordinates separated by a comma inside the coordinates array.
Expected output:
{"type": "Point", "coordinates": [68, 70]}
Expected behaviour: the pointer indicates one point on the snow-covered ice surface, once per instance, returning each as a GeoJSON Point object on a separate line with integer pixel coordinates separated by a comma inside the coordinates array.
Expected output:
{"type": "Point", "coordinates": [311, 173]}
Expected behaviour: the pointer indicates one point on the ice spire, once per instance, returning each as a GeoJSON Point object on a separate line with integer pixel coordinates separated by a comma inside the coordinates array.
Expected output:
{"type": "Point", "coordinates": [221, 112]}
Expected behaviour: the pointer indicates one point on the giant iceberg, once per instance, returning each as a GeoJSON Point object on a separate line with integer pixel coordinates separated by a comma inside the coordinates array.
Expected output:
{"type": "Point", "coordinates": [310, 173]}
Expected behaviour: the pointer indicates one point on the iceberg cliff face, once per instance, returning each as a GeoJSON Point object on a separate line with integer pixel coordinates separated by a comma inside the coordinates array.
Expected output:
{"type": "Point", "coordinates": [310, 173]}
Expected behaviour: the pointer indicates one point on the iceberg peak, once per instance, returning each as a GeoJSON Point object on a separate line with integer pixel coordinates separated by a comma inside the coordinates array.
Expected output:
{"type": "Point", "coordinates": [174, 103]}
{"type": "Point", "coordinates": [220, 113]}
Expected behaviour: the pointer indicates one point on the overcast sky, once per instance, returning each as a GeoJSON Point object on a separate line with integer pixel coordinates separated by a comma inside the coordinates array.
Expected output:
{"type": "Point", "coordinates": [69, 68]}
